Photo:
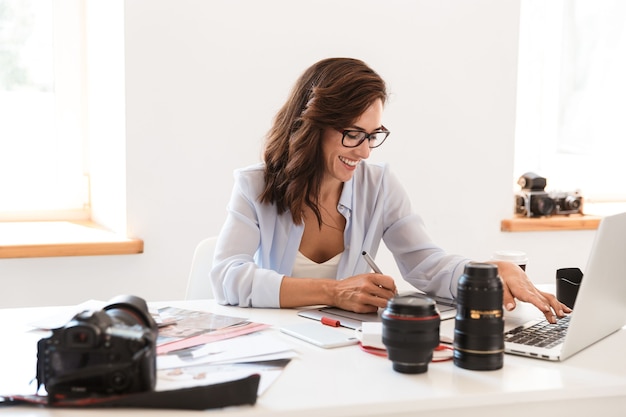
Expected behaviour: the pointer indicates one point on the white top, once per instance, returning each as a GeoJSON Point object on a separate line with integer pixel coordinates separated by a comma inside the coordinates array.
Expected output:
{"type": "Point", "coordinates": [306, 268]}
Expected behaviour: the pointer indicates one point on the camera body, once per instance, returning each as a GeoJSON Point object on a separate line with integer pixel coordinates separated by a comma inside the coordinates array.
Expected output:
{"type": "Point", "coordinates": [567, 202]}
{"type": "Point", "coordinates": [534, 201]}
{"type": "Point", "coordinates": [106, 352]}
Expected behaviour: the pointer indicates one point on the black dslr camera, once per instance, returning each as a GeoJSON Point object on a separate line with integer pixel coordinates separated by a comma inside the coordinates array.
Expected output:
{"type": "Point", "coordinates": [106, 352]}
{"type": "Point", "coordinates": [534, 201]}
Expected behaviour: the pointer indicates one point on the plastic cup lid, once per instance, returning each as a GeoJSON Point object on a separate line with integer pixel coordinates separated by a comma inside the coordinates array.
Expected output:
{"type": "Point", "coordinates": [515, 256]}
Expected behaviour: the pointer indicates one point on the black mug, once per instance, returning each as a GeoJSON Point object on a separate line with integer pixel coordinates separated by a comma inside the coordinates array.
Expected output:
{"type": "Point", "coordinates": [567, 284]}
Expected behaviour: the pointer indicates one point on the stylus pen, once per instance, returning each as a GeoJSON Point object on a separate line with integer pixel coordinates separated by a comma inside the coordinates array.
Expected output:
{"type": "Point", "coordinates": [373, 265]}
{"type": "Point", "coordinates": [371, 262]}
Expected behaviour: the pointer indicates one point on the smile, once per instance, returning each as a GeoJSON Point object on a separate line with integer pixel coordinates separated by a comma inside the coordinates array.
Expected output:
{"type": "Point", "coordinates": [348, 161]}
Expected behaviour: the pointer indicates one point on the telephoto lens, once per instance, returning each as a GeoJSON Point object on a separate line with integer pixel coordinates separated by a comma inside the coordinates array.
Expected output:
{"type": "Point", "coordinates": [411, 332]}
{"type": "Point", "coordinates": [479, 323]}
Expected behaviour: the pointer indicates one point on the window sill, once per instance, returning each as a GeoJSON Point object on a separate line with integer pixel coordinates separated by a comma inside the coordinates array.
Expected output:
{"type": "Point", "coordinates": [62, 238]}
{"type": "Point", "coordinates": [554, 223]}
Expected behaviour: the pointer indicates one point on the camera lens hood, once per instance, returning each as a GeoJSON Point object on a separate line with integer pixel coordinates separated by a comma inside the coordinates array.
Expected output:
{"type": "Point", "coordinates": [133, 305]}
{"type": "Point", "coordinates": [412, 305]}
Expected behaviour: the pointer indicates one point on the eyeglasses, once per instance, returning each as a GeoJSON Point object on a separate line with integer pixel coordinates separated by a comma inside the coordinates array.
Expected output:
{"type": "Point", "coordinates": [352, 138]}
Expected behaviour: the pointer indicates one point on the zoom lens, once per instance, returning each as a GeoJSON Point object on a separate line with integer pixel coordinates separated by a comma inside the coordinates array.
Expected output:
{"type": "Point", "coordinates": [479, 324]}
{"type": "Point", "coordinates": [411, 332]}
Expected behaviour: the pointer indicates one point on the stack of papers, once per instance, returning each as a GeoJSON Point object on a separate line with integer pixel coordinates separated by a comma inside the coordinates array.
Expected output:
{"type": "Point", "coordinates": [225, 360]}
{"type": "Point", "coordinates": [178, 324]}
{"type": "Point", "coordinates": [201, 348]}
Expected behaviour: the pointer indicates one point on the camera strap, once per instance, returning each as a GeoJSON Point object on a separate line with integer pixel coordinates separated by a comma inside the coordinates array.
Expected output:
{"type": "Point", "coordinates": [238, 392]}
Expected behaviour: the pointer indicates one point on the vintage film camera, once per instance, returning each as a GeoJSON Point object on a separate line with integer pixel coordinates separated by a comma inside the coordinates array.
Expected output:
{"type": "Point", "coordinates": [106, 352]}
{"type": "Point", "coordinates": [534, 201]}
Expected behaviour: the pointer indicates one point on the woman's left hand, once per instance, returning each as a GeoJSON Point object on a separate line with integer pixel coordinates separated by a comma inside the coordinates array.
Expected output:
{"type": "Point", "coordinates": [517, 285]}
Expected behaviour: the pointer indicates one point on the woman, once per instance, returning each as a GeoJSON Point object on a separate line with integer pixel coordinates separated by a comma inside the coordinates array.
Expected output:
{"type": "Point", "coordinates": [298, 223]}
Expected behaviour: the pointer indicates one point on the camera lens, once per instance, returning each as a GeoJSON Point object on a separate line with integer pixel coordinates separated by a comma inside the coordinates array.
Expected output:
{"type": "Point", "coordinates": [571, 203]}
{"type": "Point", "coordinates": [541, 205]}
{"type": "Point", "coordinates": [479, 325]}
{"type": "Point", "coordinates": [410, 332]}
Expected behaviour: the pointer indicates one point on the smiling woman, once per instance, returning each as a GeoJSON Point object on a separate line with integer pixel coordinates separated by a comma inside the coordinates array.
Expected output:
{"type": "Point", "coordinates": [316, 199]}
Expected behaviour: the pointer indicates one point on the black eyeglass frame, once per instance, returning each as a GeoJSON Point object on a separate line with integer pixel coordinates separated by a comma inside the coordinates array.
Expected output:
{"type": "Point", "coordinates": [366, 135]}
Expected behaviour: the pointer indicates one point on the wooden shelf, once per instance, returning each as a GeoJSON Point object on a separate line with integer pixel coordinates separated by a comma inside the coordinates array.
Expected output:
{"type": "Point", "coordinates": [62, 238]}
{"type": "Point", "coordinates": [557, 223]}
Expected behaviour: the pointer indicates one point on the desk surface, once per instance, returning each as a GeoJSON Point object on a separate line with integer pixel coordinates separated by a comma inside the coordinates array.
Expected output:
{"type": "Point", "coordinates": [349, 382]}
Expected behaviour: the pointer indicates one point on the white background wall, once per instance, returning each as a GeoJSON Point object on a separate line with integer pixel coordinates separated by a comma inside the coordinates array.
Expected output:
{"type": "Point", "coordinates": [204, 79]}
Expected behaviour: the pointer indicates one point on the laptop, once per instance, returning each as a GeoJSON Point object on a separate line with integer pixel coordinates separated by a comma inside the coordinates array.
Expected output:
{"type": "Point", "coordinates": [600, 307]}
{"type": "Point", "coordinates": [446, 307]}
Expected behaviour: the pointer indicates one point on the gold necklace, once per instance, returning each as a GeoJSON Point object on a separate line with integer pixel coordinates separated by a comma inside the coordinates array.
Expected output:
{"type": "Point", "coordinates": [336, 226]}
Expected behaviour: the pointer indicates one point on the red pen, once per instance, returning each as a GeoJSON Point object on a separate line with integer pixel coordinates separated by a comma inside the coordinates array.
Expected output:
{"type": "Point", "coordinates": [330, 322]}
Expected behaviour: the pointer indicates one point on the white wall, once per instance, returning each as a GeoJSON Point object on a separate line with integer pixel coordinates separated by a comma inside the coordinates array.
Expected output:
{"type": "Point", "coordinates": [204, 79]}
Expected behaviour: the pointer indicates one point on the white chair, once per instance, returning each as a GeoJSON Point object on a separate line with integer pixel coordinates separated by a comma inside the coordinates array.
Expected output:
{"type": "Point", "coordinates": [199, 283]}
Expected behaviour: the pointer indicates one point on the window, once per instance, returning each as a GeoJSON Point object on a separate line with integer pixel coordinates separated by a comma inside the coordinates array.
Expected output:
{"type": "Point", "coordinates": [59, 150]}
{"type": "Point", "coordinates": [43, 172]}
{"type": "Point", "coordinates": [572, 96]}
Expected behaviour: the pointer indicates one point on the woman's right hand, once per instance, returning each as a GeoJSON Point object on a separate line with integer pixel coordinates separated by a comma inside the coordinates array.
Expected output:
{"type": "Point", "coordinates": [364, 293]}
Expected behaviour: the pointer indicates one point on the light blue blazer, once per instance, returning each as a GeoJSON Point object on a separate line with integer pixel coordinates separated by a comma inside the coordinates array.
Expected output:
{"type": "Point", "coordinates": [257, 247]}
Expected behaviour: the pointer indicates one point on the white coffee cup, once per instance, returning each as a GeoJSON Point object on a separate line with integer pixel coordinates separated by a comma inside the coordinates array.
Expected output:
{"type": "Point", "coordinates": [514, 256]}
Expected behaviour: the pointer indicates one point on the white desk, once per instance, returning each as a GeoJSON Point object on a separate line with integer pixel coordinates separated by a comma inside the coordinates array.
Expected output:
{"type": "Point", "coordinates": [349, 382]}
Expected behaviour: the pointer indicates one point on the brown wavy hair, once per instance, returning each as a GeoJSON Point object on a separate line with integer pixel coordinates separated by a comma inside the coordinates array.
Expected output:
{"type": "Point", "coordinates": [332, 93]}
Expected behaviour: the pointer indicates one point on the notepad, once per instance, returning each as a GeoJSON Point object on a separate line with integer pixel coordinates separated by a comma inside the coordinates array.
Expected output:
{"type": "Point", "coordinates": [320, 335]}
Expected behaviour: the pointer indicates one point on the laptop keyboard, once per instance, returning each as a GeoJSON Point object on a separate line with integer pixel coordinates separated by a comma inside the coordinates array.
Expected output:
{"type": "Point", "coordinates": [542, 334]}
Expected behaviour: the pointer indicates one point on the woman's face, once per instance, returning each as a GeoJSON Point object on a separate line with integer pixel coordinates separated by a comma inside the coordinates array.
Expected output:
{"type": "Point", "coordinates": [341, 162]}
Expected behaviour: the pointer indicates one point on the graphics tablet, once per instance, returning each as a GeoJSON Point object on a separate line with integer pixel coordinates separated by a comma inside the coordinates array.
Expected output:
{"type": "Point", "coordinates": [446, 307]}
